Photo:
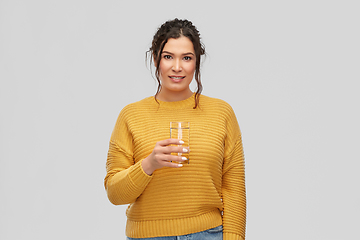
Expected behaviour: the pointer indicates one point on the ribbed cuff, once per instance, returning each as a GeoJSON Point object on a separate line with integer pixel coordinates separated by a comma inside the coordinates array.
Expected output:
{"type": "Point", "coordinates": [138, 176]}
{"type": "Point", "coordinates": [232, 236]}
{"type": "Point", "coordinates": [173, 227]}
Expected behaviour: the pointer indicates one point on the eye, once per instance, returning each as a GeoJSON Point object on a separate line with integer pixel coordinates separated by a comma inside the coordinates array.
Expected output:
{"type": "Point", "coordinates": [167, 56]}
{"type": "Point", "coordinates": [187, 58]}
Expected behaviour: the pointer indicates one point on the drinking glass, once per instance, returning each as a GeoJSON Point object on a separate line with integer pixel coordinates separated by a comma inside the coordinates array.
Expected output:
{"type": "Point", "coordinates": [181, 131]}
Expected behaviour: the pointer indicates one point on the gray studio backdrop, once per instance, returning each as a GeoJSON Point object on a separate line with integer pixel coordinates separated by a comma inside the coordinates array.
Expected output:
{"type": "Point", "coordinates": [290, 69]}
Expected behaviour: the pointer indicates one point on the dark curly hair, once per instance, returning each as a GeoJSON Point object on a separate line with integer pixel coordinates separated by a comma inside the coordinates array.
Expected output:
{"type": "Point", "coordinates": [174, 29]}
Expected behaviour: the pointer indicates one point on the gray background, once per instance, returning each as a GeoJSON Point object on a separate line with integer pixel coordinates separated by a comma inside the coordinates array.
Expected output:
{"type": "Point", "coordinates": [290, 69]}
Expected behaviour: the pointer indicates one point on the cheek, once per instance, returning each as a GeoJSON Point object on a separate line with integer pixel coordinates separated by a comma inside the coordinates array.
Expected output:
{"type": "Point", "coordinates": [190, 68]}
{"type": "Point", "coordinates": [164, 66]}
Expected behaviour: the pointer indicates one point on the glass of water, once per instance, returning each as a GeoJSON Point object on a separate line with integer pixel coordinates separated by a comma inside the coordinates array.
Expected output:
{"type": "Point", "coordinates": [181, 131]}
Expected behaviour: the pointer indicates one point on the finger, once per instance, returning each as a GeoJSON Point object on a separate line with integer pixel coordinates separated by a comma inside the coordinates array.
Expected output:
{"type": "Point", "coordinates": [169, 141]}
{"type": "Point", "coordinates": [174, 149]}
{"type": "Point", "coordinates": [177, 158]}
{"type": "Point", "coordinates": [172, 165]}
{"type": "Point", "coordinates": [161, 159]}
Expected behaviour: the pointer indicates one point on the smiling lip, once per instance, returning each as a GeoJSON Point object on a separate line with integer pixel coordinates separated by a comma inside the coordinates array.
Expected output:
{"type": "Point", "coordinates": [176, 78]}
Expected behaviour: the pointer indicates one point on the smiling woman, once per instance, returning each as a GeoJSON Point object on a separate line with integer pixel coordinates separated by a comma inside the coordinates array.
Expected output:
{"type": "Point", "coordinates": [177, 67]}
{"type": "Point", "coordinates": [176, 30]}
{"type": "Point", "coordinates": [204, 199]}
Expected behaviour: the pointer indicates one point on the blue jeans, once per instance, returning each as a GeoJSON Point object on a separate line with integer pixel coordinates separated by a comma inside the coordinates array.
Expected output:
{"type": "Point", "coordinates": [210, 234]}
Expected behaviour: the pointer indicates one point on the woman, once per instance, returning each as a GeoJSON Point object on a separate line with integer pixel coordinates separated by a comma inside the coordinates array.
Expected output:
{"type": "Point", "coordinates": [204, 199]}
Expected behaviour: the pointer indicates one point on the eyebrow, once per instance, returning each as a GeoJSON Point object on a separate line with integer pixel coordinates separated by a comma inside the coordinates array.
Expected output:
{"type": "Point", "coordinates": [188, 53]}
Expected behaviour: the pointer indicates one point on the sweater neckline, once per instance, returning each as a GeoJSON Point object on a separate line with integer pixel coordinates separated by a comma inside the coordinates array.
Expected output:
{"type": "Point", "coordinates": [186, 103]}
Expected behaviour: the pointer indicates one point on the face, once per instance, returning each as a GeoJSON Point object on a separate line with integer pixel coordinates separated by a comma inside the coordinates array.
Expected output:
{"type": "Point", "coordinates": [177, 68]}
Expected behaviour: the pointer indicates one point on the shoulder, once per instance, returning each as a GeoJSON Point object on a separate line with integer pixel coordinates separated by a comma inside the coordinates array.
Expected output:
{"type": "Point", "coordinates": [220, 110]}
{"type": "Point", "coordinates": [215, 104]}
{"type": "Point", "coordinates": [137, 107]}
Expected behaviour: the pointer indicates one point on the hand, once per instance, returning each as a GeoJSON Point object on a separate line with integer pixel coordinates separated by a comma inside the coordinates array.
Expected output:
{"type": "Point", "coordinates": [161, 156]}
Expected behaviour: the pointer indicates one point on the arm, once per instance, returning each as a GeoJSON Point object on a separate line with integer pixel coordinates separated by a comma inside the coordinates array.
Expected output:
{"type": "Point", "coordinates": [233, 186]}
{"type": "Point", "coordinates": [125, 180]}
{"type": "Point", "coordinates": [234, 195]}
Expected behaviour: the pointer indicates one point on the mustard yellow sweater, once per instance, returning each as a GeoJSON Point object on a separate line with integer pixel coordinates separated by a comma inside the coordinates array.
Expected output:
{"type": "Point", "coordinates": [206, 193]}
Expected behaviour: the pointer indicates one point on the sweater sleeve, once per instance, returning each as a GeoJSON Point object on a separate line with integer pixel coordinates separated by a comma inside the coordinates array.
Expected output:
{"type": "Point", "coordinates": [125, 180]}
{"type": "Point", "coordinates": [233, 186]}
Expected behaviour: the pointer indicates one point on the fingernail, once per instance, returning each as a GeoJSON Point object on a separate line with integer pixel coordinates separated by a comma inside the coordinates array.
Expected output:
{"type": "Point", "coordinates": [184, 158]}
{"type": "Point", "coordinates": [185, 150]}
{"type": "Point", "coordinates": [181, 142]}
{"type": "Point", "coordinates": [180, 165]}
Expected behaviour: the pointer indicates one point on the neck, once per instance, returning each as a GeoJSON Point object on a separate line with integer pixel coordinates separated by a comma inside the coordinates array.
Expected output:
{"type": "Point", "coordinates": [171, 97]}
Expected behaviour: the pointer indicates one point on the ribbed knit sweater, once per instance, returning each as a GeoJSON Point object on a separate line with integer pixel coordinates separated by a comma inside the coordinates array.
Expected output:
{"type": "Point", "coordinates": [206, 193]}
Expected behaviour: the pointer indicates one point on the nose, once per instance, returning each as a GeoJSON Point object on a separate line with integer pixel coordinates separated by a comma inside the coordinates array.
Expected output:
{"type": "Point", "coordinates": [177, 66]}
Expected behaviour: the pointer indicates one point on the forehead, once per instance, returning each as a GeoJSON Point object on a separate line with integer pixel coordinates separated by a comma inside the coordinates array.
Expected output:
{"type": "Point", "coordinates": [179, 45]}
